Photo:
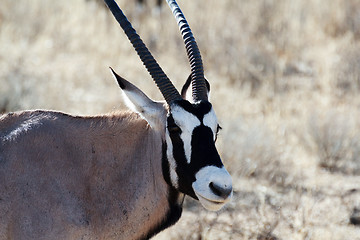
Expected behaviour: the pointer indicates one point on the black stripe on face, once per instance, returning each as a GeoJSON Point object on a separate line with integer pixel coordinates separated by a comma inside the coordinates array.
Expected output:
{"type": "Point", "coordinates": [185, 177]}
{"type": "Point", "coordinates": [165, 164]}
{"type": "Point", "coordinates": [178, 144]}
{"type": "Point", "coordinates": [203, 149]}
{"type": "Point", "coordinates": [197, 109]}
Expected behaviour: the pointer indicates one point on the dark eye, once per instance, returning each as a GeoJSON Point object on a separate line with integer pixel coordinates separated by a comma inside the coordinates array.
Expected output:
{"type": "Point", "coordinates": [174, 129]}
{"type": "Point", "coordinates": [217, 131]}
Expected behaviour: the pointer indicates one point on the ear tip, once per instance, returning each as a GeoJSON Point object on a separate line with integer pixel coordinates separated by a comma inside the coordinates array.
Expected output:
{"type": "Point", "coordinates": [207, 85]}
{"type": "Point", "coordinates": [185, 87]}
{"type": "Point", "coordinates": [112, 71]}
{"type": "Point", "coordinates": [119, 79]}
{"type": "Point", "coordinates": [187, 84]}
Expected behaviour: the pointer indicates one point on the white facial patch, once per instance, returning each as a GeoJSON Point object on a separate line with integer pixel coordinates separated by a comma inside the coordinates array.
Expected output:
{"type": "Point", "coordinates": [210, 120]}
{"type": "Point", "coordinates": [172, 162]}
{"type": "Point", "coordinates": [187, 122]}
{"type": "Point", "coordinates": [217, 176]}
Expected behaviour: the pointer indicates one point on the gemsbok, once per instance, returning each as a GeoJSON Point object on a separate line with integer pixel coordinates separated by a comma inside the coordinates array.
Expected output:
{"type": "Point", "coordinates": [116, 176]}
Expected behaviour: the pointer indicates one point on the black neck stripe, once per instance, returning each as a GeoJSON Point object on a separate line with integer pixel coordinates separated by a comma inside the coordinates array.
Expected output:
{"type": "Point", "coordinates": [175, 210]}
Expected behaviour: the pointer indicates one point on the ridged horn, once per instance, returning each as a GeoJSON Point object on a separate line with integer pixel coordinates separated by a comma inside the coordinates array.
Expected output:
{"type": "Point", "coordinates": [162, 81]}
{"type": "Point", "coordinates": [199, 91]}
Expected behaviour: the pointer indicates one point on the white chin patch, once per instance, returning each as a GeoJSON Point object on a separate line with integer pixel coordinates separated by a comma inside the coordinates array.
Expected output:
{"type": "Point", "coordinates": [217, 176]}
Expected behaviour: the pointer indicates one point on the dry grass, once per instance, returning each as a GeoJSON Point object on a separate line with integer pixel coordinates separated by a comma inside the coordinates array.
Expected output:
{"type": "Point", "coordinates": [336, 139]}
{"type": "Point", "coordinates": [286, 86]}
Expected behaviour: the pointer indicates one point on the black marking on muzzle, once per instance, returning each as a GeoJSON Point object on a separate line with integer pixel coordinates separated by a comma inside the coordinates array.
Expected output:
{"type": "Point", "coordinates": [203, 149]}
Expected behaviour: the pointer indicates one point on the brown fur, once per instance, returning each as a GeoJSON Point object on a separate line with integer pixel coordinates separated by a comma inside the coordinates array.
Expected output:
{"type": "Point", "coordinates": [66, 177]}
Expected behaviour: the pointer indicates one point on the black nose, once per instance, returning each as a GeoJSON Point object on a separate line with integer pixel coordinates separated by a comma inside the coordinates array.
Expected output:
{"type": "Point", "coordinates": [220, 190]}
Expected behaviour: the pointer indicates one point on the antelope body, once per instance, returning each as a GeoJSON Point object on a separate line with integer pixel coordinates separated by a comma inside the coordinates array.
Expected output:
{"type": "Point", "coordinates": [116, 176]}
{"type": "Point", "coordinates": [65, 177]}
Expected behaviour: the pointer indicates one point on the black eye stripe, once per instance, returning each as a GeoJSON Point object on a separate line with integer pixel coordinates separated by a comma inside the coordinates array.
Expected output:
{"type": "Point", "coordinates": [199, 109]}
{"type": "Point", "coordinates": [218, 128]}
{"type": "Point", "coordinates": [170, 121]}
{"type": "Point", "coordinates": [171, 125]}
{"type": "Point", "coordinates": [174, 129]}
{"type": "Point", "coordinates": [217, 131]}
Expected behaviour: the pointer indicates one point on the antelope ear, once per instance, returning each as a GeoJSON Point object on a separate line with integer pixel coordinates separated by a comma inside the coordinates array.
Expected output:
{"type": "Point", "coordinates": [136, 100]}
{"type": "Point", "coordinates": [186, 91]}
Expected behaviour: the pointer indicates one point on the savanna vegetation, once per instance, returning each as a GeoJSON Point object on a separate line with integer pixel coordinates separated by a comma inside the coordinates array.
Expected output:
{"type": "Point", "coordinates": [285, 79]}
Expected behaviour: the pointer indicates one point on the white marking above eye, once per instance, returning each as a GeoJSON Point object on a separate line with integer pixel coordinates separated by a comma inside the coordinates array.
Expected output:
{"type": "Point", "coordinates": [187, 122]}
{"type": "Point", "coordinates": [184, 119]}
{"type": "Point", "coordinates": [210, 120]}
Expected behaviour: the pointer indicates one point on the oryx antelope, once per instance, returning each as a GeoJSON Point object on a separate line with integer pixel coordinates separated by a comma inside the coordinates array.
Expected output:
{"type": "Point", "coordinates": [117, 176]}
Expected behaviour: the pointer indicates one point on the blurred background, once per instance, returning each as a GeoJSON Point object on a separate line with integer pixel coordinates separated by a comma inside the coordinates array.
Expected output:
{"type": "Point", "coordinates": [285, 79]}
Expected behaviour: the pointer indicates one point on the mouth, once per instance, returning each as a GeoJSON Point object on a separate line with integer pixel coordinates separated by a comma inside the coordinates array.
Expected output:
{"type": "Point", "coordinates": [212, 204]}
{"type": "Point", "coordinates": [213, 187]}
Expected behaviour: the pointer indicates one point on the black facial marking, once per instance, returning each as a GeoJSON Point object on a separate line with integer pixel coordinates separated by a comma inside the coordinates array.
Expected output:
{"type": "Point", "coordinates": [165, 164]}
{"type": "Point", "coordinates": [197, 109]}
{"type": "Point", "coordinates": [203, 149]}
{"type": "Point", "coordinates": [172, 127]}
{"type": "Point", "coordinates": [217, 131]}
{"type": "Point", "coordinates": [186, 177]}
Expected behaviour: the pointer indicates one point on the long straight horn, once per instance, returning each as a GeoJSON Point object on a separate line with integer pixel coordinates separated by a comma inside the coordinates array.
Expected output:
{"type": "Point", "coordinates": [197, 71]}
{"type": "Point", "coordinates": [162, 81]}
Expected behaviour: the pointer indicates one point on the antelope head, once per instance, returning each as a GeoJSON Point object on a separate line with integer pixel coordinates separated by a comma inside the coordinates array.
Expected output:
{"type": "Point", "coordinates": [191, 163]}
